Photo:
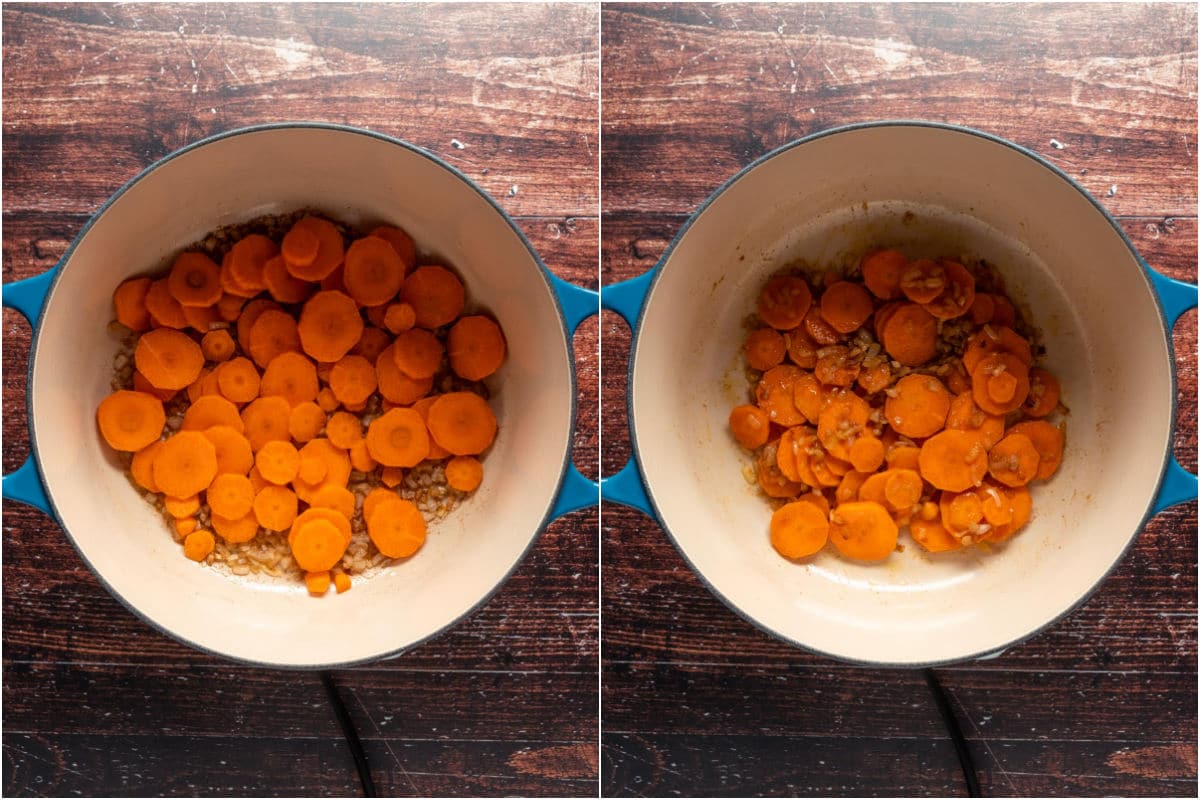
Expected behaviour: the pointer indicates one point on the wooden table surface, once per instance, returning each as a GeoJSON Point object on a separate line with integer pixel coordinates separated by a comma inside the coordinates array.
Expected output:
{"type": "Point", "coordinates": [697, 701]}
{"type": "Point", "coordinates": [98, 703]}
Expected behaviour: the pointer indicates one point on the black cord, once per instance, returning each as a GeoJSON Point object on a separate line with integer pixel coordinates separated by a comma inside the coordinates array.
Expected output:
{"type": "Point", "coordinates": [956, 735]}
{"type": "Point", "coordinates": [352, 741]}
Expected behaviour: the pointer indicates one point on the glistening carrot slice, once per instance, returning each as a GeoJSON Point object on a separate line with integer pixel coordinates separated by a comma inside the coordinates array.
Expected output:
{"type": "Point", "coordinates": [277, 461]}
{"type": "Point", "coordinates": [273, 333]}
{"type": "Point", "coordinates": [163, 308]}
{"type": "Point", "coordinates": [353, 379]}
{"type": "Point", "coordinates": [275, 507]}
{"type": "Point", "coordinates": [932, 536]}
{"type": "Point", "coordinates": [1043, 393]}
{"type": "Point", "coordinates": [923, 280]}
{"type": "Point", "coordinates": [965, 415]}
{"type": "Point", "coordinates": [843, 421]}
{"type": "Point", "coordinates": [436, 295]}
{"type": "Point", "coordinates": [1014, 461]}
{"type": "Point", "coordinates": [773, 482]}
{"type": "Point", "coordinates": [129, 420]}
{"type": "Point", "coordinates": [464, 473]}
{"type": "Point", "coordinates": [764, 348]}
{"type": "Point", "coordinates": [846, 306]}
{"type": "Point", "coordinates": [917, 406]}
{"type": "Point", "coordinates": [863, 530]}
{"type": "Point", "coordinates": [1047, 439]}
{"type": "Point", "coordinates": [993, 339]}
{"type": "Point", "coordinates": [217, 345]}
{"type": "Point", "coordinates": [881, 271]}
{"type": "Point", "coordinates": [230, 495]}
{"type": "Point", "coordinates": [233, 449]}
{"type": "Point", "coordinates": [394, 385]}
{"type": "Point", "coordinates": [211, 410]}
{"type": "Point", "coordinates": [910, 335]}
{"type": "Point", "coordinates": [784, 301]}
{"type": "Point", "coordinates": [142, 466]}
{"type": "Point", "coordinates": [776, 394]}
{"type": "Point", "coordinates": [749, 426]}
{"type": "Point", "coordinates": [317, 545]}
{"type": "Point", "coordinates": [238, 380]}
{"type": "Point", "coordinates": [798, 529]}
{"type": "Point", "coordinates": [953, 460]}
{"type": "Point", "coordinates": [801, 349]}
{"type": "Point", "coordinates": [282, 285]}
{"type": "Point", "coordinates": [248, 257]}
{"type": "Point", "coordinates": [1000, 383]}
{"type": "Point", "coordinates": [958, 296]}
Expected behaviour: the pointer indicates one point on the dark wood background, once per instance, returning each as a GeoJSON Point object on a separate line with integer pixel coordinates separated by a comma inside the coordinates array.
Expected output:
{"type": "Point", "coordinates": [696, 701]}
{"type": "Point", "coordinates": [98, 703]}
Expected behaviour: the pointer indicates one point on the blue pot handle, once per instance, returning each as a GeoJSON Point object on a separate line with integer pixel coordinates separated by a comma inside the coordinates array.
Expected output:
{"type": "Point", "coordinates": [1176, 297]}
{"type": "Point", "coordinates": [28, 296]}
{"type": "Point", "coordinates": [575, 491]}
{"type": "Point", "coordinates": [627, 298]}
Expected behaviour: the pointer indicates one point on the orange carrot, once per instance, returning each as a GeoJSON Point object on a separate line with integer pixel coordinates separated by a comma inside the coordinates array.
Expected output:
{"type": "Point", "coordinates": [142, 466]}
{"type": "Point", "coordinates": [953, 460]}
{"type": "Point", "coordinates": [876, 377]}
{"type": "Point", "coordinates": [866, 453]}
{"type": "Point", "coordinates": [341, 582]}
{"type": "Point", "coordinates": [990, 340]}
{"type": "Point", "coordinates": [250, 315]}
{"type": "Point", "coordinates": [230, 495]}
{"type": "Point", "coordinates": [129, 300]}
{"type": "Point", "coordinates": [798, 530]}
{"type": "Point", "coordinates": [305, 421]}
{"type": "Point", "coordinates": [129, 420]}
{"type": "Point", "coordinates": [391, 476]}
{"type": "Point", "coordinates": [297, 246]}
{"type": "Point", "coordinates": [917, 406]}
{"type": "Point", "coordinates": [273, 333]}
{"type": "Point", "coordinates": [1014, 461]}
{"type": "Point", "coordinates": [965, 415]}
{"type": "Point", "coordinates": [195, 280]}
{"type": "Point", "coordinates": [418, 353]}
{"type": "Point", "coordinates": [163, 308]}
{"type": "Point", "coordinates": [266, 420]}
{"type": "Point", "coordinates": [211, 410]}
{"type": "Point", "coordinates": [436, 295]}
{"type": "Point", "coordinates": [232, 449]}
{"type": "Point", "coordinates": [1020, 506]}
{"type": "Point", "coordinates": [317, 583]}
{"type": "Point", "coordinates": [1043, 393]}
{"type": "Point", "coordinates": [1047, 439]}
{"type": "Point", "coordinates": [773, 482]}
{"type": "Point", "coordinates": [360, 457]}
{"type": "Point", "coordinates": [373, 272]}
{"type": "Point", "coordinates": [749, 425]}
{"type": "Point", "coordinates": [282, 285]}
{"type": "Point", "coordinates": [339, 521]}
{"type": "Point", "coordinates": [1003, 312]}
{"type": "Point", "coordinates": [881, 271]}
{"type": "Point", "coordinates": [238, 380]}
{"type": "Point", "coordinates": [396, 527]}
{"type": "Point", "coordinates": [464, 473]}
{"type": "Point", "coordinates": [399, 317]}
{"type": "Point", "coordinates": [312, 468]}
{"type": "Point", "coordinates": [217, 345]}
{"type": "Point", "coordinates": [371, 343]}
{"type": "Point", "coordinates": [764, 348]}
{"type": "Point", "coordinates": [335, 497]}
{"type": "Point", "coordinates": [836, 367]}
{"type": "Point", "coordinates": [300, 247]}
{"type": "Point", "coordinates": [197, 545]}
{"type": "Point", "coordinates": [400, 241]}
{"type": "Point", "coordinates": [842, 421]}
{"type": "Point", "coordinates": [863, 530]}
{"type": "Point", "coordinates": [846, 306]}
{"type": "Point", "coordinates": [327, 400]}
{"type": "Point", "coordinates": [180, 507]}
{"type": "Point", "coordinates": [982, 309]}
{"type": "Point", "coordinates": [801, 349]}
{"type": "Point", "coordinates": [247, 259]}
{"type": "Point", "coordinates": [290, 376]}
{"type": "Point", "coordinates": [1000, 383]}
{"type": "Point", "coordinates": [399, 438]}
{"type": "Point", "coordinates": [932, 536]}
{"type": "Point", "coordinates": [776, 394]}
{"type": "Point", "coordinates": [352, 379]}
{"type": "Point", "coordinates": [202, 318]}
{"type": "Point", "coordinates": [185, 464]}
{"type": "Point", "coordinates": [809, 397]}
{"type": "Point", "coordinates": [784, 302]}
{"type": "Point", "coordinates": [343, 429]}
{"type": "Point", "coordinates": [910, 335]}
{"type": "Point", "coordinates": [277, 461]}
{"type": "Point", "coordinates": [275, 507]}
{"type": "Point", "coordinates": [394, 385]}
{"type": "Point", "coordinates": [329, 325]}
{"type": "Point", "coordinates": [818, 330]}
{"type": "Point", "coordinates": [923, 280]}
{"type": "Point", "coordinates": [168, 358]}
{"type": "Point", "coordinates": [958, 296]}
{"type": "Point", "coordinates": [317, 545]}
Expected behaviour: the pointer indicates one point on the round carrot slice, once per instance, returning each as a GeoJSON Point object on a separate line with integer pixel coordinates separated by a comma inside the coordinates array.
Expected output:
{"type": "Point", "coordinates": [195, 280]}
{"type": "Point", "coordinates": [185, 465]}
{"type": "Point", "coordinates": [863, 530]}
{"type": "Point", "coordinates": [749, 425]}
{"type": "Point", "coordinates": [436, 295]}
{"type": "Point", "coordinates": [329, 325]}
{"type": "Point", "coordinates": [910, 335]}
{"type": "Point", "coordinates": [799, 529]}
{"type": "Point", "coordinates": [917, 406]}
{"type": "Point", "coordinates": [373, 272]}
{"type": "Point", "coordinates": [168, 358]}
{"type": "Point", "coordinates": [130, 420]}
{"type": "Point", "coordinates": [784, 301]}
{"type": "Point", "coordinates": [846, 306]}
{"type": "Point", "coordinates": [881, 271]}
{"type": "Point", "coordinates": [396, 527]}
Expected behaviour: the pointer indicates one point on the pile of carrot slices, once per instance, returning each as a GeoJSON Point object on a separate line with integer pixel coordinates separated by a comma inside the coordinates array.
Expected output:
{"type": "Point", "coordinates": [866, 419]}
{"type": "Point", "coordinates": [278, 350]}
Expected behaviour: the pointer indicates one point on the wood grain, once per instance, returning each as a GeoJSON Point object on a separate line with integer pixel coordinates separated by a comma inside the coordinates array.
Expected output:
{"type": "Point", "coordinates": [698, 702]}
{"type": "Point", "coordinates": [99, 703]}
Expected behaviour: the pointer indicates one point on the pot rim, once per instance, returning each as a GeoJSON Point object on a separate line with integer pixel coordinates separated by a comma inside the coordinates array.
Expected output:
{"type": "Point", "coordinates": [657, 270]}
{"type": "Point", "coordinates": [543, 271]}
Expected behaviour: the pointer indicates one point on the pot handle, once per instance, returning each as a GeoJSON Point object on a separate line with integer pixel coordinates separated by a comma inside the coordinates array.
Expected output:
{"type": "Point", "coordinates": [575, 491]}
{"type": "Point", "coordinates": [627, 486]}
{"type": "Point", "coordinates": [28, 296]}
{"type": "Point", "coordinates": [1178, 485]}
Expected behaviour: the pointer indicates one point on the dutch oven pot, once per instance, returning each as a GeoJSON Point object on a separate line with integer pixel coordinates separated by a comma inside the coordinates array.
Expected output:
{"type": "Point", "coordinates": [356, 176]}
{"type": "Point", "coordinates": [1106, 320]}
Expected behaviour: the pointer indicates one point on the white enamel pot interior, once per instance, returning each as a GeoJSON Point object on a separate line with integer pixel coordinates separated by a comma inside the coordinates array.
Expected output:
{"type": "Point", "coordinates": [927, 190]}
{"type": "Point", "coordinates": [360, 178]}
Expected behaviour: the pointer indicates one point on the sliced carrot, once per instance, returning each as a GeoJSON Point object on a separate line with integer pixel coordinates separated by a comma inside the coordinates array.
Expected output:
{"type": "Point", "coordinates": [910, 335]}
{"type": "Point", "coordinates": [848, 488]}
{"type": "Point", "coordinates": [904, 457]}
{"type": "Point", "coordinates": [784, 302]}
{"type": "Point", "coordinates": [338, 498]}
{"type": "Point", "coordinates": [436, 295]}
{"type": "Point", "coordinates": [1020, 506]}
{"type": "Point", "coordinates": [464, 473]}
{"type": "Point", "coordinates": [312, 468]}
{"type": "Point", "coordinates": [305, 421]}
{"type": "Point", "coordinates": [250, 315]}
{"type": "Point", "coordinates": [881, 271]}
{"type": "Point", "coordinates": [902, 489]}
{"type": "Point", "coordinates": [992, 339]}
{"type": "Point", "coordinates": [202, 318]}
{"type": "Point", "coordinates": [1000, 383]}
{"type": "Point", "coordinates": [436, 451]}
{"type": "Point", "coordinates": [329, 325]}
{"type": "Point", "coordinates": [764, 348]}
{"type": "Point", "coordinates": [817, 499]}
{"type": "Point", "coordinates": [343, 429]}
{"type": "Point", "coordinates": [163, 308]}
{"type": "Point", "coordinates": [352, 379]}
{"type": "Point", "coordinates": [317, 583]}
{"type": "Point", "coordinates": [339, 521]}
{"type": "Point", "coordinates": [330, 249]}
{"type": "Point", "coordinates": [818, 330]}
{"type": "Point", "coordinates": [371, 343]}
{"type": "Point", "coordinates": [399, 438]}
{"type": "Point", "coordinates": [863, 530]}
{"type": "Point", "coordinates": [866, 453]}
{"type": "Point", "coordinates": [391, 476]}
{"type": "Point", "coordinates": [197, 545]}
{"type": "Point", "coordinates": [798, 530]}
{"type": "Point", "coordinates": [1014, 461]}
{"type": "Point", "coordinates": [180, 507]}
{"type": "Point", "coordinates": [185, 464]}
{"type": "Point", "coordinates": [842, 421]}
{"type": "Point", "coordinates": [773, 482]}
{"type": "Point", "coordinates": [965, 415]}
{"type": "Point", "coordinates": [883, 314]}
{"type": "Point", "coordinates": [290, 376]}
{"type": "Point", "coordinates": [232, 449]}
{"type": "Point", "coordinates": [1043, 393]}
{"type": "Point", "coordinates": [341, 582]}
{"type": "Point", "coordinates": [1047, 439]}
{"type": "Point", "coordinates": [273, 333]}
{"type": "Point", "coordinates": [317, 545]}
{"type": "Point", "coordinates": [836, 367]}
{"type": "Point", "coordinates": [396, 386]}
{"type": "Point", "coordinates": [923, 280]}
{"type": "Point", "coordinates": [283, 286]}
{"type": "Point", "coordinates": [801, 349]}
{"type": "Point", "coordinates": [217, 345]}
{"type": "Point", "coordinates": [396, 527]}
{"type": "Point", "coordinates": [846, 306]}
{"type": "Point", "coordinates": [184, 526]}
{"type": "Point", "coordinates": [917, 406]}
{"type": "Point", "coordinates": [337, 467]}
{"type": "Point", "coordinates": [399, 317]}
{"type": "Point", "coordinates": [791, 455]}
{"type": "Point", "coordinates": [142, 466]}
{"type": "Point", "coordinates": [373, 272]}
{"type": "Point", "coordinates": [327, 400]}
{"type": "Point", "coordinates": [776, 394]}
{"type": "Point", "coordinates": [809, 397]}
{"type": "Point", "coordinates": [230, 495]}
{"type": "Point", "coordinates": [418, 353]}
{"type": "Point", "coordinates": [248, 258]}
{"type": "Point", "coordinates": [1003, 312]}
{"type": "Point", "coordinates": [230, 285]}
{"type": "Point", "coordinates": [195, 280]}
{"type": "Point", "coordinates": [982, 309]}
{"type": "Point", "coordinates": [932, 536]}
{"type": "Point", "coordinates": [875, 377]}
{"type": "Point", "coordinates": [953, 460]}
{"type": "Point", "coordinates": [400, 241]}
{"type": "Point", "coordinates": [277, 461]}
{"type": "Point", "coordinates": [373, 499]}
{"type": "Point", "coordinates": [958, 296]}
{"type": "Point", "coordinates": [361, 458]}
{"type": "Point", "coordinates": [130, 421]}
{"type": "Point", "coordinates": [168, 358]}
{"type": "Point", "coordinates": [129, 301]}
{"type": "Point", "coordinates": [238, 380]}
{"type": "Point", "coordinates": [333, 282]}
{"type": "Point", "coordinates": [266, 420]}
{"type": "Point", "coordinates": [211, 410]}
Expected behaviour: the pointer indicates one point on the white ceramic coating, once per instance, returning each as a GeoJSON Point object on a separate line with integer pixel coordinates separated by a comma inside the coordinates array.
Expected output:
{"type": "Point", "coordinates": [361, 179]}
{"type": "Point", "coordinates": [925, 190]}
